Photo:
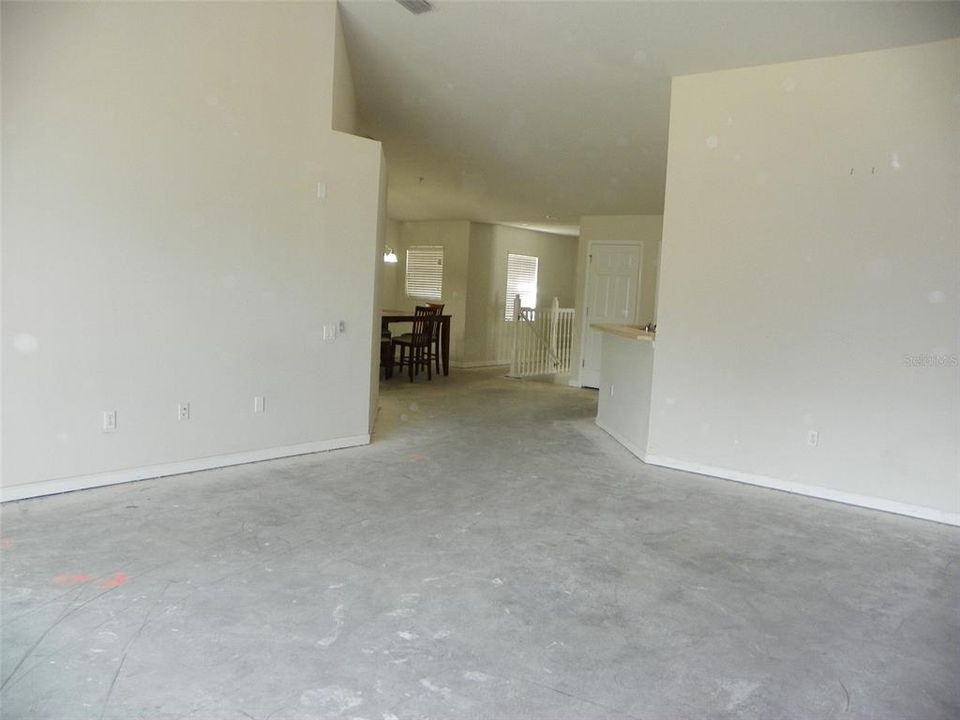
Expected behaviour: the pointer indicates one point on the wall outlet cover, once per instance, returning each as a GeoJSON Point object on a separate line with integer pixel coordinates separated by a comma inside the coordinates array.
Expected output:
{"type": "Point", "coordinates": [109, 421]}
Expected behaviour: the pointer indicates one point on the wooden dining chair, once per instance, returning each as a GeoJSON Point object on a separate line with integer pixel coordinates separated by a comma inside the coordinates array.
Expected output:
{"type": "Point", "coordinates": [438, 309]}
{"type": "Point", "coordinates": [416, 348]}
{"type": "Point", "coordinates": [386, 354]}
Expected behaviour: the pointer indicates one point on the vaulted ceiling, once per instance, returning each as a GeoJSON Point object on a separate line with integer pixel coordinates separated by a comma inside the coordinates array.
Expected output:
{"type": "Point", "coordinates": [540, 112]}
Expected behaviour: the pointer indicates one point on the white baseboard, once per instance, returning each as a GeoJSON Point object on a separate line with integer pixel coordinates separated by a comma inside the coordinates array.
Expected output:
{"type": "Point", "coordinates": [822, 493]}
{"type": "Point", "coordinates": [82, 482]}
{"type": "Point", "coordinates": [865, 501]}
{"type": "Point", "coordinates": [633, 448]}
{"type": "Point", "coordinates": [477, 364]}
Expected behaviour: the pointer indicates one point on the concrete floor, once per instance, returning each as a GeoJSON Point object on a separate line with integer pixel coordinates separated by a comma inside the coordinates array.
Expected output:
{"type": "Point", "coordinates": [492, 555]}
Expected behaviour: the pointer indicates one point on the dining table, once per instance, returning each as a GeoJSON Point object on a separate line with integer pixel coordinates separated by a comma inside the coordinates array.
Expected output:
{"type": "Point", "coordinates": [405, 316]}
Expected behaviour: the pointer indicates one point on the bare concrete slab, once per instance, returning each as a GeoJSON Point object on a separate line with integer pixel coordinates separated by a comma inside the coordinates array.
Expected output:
{"type": "Point", "coordinates": [492, 555]}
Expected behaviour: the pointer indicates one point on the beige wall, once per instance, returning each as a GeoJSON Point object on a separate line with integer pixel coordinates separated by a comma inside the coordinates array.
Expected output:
{"type": "Point", "coordinates": [390, 272]}
{"type": "Point", "coordinates": [474, 279]}
{"type": "Point", "coordinates": [645, 230]}
{"type": "Point", "coordinates": [488, 337]}
{"type": "Point", "coordinates": [383, 226]}
{"type": "Point", "coordinates": [343, 102]}
{"type": "Point", "coordinates": [623, 397]}
{"type": "Point", "coordinates": [809, 279]}
{"type": "Point", "coordinates": [483, 336]}
{"type": "Point", "coordinates": [163, 240]}
{"type": "Point", "coordinates": [454, 237]}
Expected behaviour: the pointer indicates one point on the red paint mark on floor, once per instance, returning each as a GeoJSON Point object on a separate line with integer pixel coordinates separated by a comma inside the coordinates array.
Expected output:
{"type": "Point", "coordinates": [5, 543]}
{"type": "Point", "coordinates": [72, 579]}
{"type": "Point", "coordinates": [118, 579]}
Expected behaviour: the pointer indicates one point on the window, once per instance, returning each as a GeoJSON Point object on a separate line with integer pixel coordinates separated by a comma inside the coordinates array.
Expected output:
{"type": "Point", "coordinates": [425, 272]}
{"type": "Point", "coordinates": [522, 281]}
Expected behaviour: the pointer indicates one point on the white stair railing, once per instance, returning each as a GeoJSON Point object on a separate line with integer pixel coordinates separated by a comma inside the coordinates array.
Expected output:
{"type": "Point", "coordinates": [542, 340]}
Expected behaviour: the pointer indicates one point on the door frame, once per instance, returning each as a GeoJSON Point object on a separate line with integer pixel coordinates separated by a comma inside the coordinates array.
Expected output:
{"type": "Point", "coordinates": [584, 323]}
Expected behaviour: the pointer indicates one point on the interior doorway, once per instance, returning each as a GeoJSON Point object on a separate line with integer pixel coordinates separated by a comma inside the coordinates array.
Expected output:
{"type": "Point", "coordinates": [612, 296]}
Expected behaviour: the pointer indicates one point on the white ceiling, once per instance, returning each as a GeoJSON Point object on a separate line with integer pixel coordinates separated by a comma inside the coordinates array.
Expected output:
{"type": "Point", "coordinates": [540, 112]}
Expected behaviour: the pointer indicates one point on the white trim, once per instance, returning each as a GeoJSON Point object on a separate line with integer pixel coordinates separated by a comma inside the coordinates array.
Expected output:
{"type": "Point", "coordinates": [635, 449]}
{"type": "Point", "coordinates": [420, 268]}
{"type": "Point", "coordinates": [509, 299]}
{"type": "Point", "coordinates": [83, 482]}
{"type": "Point", "coordinates": [865, 501]}
{"type": "Point", "coordinates": [584, 321]}
{"type": "Point", "coordinates": [478, 364]}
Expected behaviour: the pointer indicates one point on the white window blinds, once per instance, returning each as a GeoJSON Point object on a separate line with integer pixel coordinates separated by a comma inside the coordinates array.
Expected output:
{"type": "Point", "coordinates": [425, 272]}
{"type": "Point", "coordinates": [522, 281]}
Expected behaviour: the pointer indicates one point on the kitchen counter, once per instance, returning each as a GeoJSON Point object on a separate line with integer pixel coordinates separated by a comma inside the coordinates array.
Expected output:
{"type": "Point", "coordinates": [632, 332]}
{"type": "Point", "coordinates": [626, 380]}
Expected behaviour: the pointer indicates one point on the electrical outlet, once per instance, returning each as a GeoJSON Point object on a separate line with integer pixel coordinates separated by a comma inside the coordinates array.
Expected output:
{"type": "Point", "coordinates": [109, 421]}
{"type": "Point", "coordinates": [330, 332]}
{"type": "Point", "coordinates": [611, 389]}
{"type": "Point", "coordinates": [813, 438]}
{"type": "Point", "coordinates": [183, 411]}
{"type": "Point", "coordinates": [258, 403]}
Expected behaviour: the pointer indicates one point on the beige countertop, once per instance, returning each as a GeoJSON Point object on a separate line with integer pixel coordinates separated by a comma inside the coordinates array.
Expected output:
{"type": "Point", "coordinates": [631, 332]}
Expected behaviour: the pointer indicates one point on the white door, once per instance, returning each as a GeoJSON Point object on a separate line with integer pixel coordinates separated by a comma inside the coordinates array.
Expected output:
{"type": "Point", "coordinates": [613, 287]}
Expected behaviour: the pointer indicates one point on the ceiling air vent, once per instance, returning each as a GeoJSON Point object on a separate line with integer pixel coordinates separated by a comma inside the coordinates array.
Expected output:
{"type": "Point", "coordinates": [417, 7]}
